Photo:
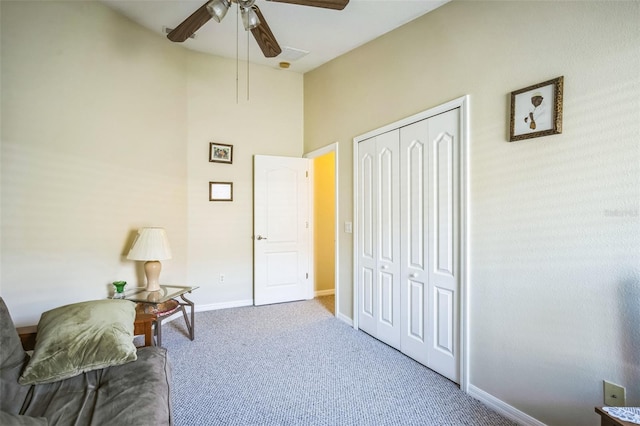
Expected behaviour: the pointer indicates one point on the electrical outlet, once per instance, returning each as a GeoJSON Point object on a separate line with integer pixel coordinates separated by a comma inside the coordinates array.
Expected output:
{"type": "Point", "coordinates": [221, 278]}
{"type": "Point", "coordinates": [614, 395]}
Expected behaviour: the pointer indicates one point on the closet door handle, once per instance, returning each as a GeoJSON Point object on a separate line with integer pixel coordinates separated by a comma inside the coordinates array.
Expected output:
{"type": "Point", "coordinates": [414, 275]}
{"type": "Point", "coordinates": [384, 267]}
{"type": "Point", "coordinates": [260, 237]}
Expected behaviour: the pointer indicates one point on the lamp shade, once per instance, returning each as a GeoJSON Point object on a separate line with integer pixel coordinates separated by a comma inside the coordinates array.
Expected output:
{"type": "Point", "coordinates": [150, 244]}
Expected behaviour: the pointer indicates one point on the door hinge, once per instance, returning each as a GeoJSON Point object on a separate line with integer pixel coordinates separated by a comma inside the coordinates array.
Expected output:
{"type": "Point", "coordinates": [306, 225]}
{"type": "Point", "coordinates": [306, 173]}
{"type": "Point", "coordinates": [307, 274]}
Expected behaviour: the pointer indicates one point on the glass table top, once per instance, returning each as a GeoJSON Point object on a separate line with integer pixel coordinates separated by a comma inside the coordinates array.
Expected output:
{"type": "Point", "coordinates": [166, 292]}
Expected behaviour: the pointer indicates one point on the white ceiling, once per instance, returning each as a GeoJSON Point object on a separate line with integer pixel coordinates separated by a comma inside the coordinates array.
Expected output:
{"type": "Point", "coordinates": [325, 33]}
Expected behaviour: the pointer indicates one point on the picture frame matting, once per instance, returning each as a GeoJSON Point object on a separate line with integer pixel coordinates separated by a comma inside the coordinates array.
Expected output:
{"type": "Point", "coordinates": [220, 191]}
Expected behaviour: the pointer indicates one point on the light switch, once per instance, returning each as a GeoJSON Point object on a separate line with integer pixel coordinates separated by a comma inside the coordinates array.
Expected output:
{"type": "Point", "coordinates": [348, 227]}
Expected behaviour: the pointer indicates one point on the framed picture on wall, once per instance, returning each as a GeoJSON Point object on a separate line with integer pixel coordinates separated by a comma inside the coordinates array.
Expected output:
{"type": "Point", "coordinates": [220, 153]}
{"type": "Point", "coordinates": [220, 191]}
{"type": "Point", "coordinates": [537, 110]}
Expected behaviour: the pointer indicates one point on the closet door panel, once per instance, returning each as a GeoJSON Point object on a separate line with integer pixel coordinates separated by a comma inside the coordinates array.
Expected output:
{"type": "Point", "coordinates": [414, 205]}
{"type": "Point", "coordinates": [444, 307]}
{"type": "Point", "coordinates": [414, 229]}
{"type": "Point", "coordinates": [443, 243]}
{"type": "Point", "coordinates": [388, 238]}
{"type": "Point", "coordinates": [386, 194]}
{"type": "Point", "coordinates": [367, 292]}
{"type": "Point", "coordinates": [417, 308]}
{"type": "Point", "coordinates": [386, 299]}
{"type": "Point", "coordinates": [443, 203]}
{"type": "Point", "coordinates": [367, 273]}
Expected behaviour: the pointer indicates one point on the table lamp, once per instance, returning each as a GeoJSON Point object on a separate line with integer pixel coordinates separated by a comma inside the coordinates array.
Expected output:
{"type": "Point", "coordinates": [151, 245]}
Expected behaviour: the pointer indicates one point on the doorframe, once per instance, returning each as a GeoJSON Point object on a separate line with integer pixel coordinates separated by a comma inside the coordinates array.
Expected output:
{"type": "Point", "coordinates": [336, 250]}
{"type": "Point", "coordinates": [463, 103]}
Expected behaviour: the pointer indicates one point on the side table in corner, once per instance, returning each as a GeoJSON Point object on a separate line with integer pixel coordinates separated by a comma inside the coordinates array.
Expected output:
{"type": "Point", "coordinates": [162, 304]}
{"type": "Point", "coordinates": [609, 420]}
{"type": "Point", "coordinates": [28, 336]}
{"type": "Point", "coordinates": [143, 324]}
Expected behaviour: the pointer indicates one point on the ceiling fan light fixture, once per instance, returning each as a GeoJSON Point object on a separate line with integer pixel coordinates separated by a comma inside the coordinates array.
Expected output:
{"type": "Point", "coordinates": [250, 18]}
{"type": "Point", "coordinates": [218, 9]}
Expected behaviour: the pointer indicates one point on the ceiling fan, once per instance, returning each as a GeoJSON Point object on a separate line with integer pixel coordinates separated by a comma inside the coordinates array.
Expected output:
{"type": "Point", "coordinates": [252, 19]}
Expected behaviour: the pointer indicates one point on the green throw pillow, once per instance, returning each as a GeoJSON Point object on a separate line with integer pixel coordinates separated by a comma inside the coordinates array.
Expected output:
{"type": "Point", "coordinates": [81, 337]}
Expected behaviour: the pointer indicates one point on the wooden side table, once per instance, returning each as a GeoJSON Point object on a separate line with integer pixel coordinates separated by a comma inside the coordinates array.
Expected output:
{"type": "Point", "coordinates": [608, 420]}
{"type": "Point", "coordinates": [143, 324]}
{"type": "Point", "coordinates": [160, 311]}
{"type": "Point", "coordinates": [162, 304]}
{"type": "Point", "coordinates": [28, 336]}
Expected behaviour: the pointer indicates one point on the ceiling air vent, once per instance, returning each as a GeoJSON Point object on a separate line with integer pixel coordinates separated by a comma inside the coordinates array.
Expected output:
{"type": "Point", "coordinates": [291, 54]}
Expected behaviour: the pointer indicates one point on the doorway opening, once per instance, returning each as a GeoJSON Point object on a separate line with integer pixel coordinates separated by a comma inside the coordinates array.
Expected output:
{"type": "Point", "coordinates": [325, 232]}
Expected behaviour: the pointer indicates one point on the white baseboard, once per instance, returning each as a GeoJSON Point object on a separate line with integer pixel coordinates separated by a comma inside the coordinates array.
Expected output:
{"type": "Point", "coordinates": [345, 318]}
{"type": "Point", "coordinates": [329, 292]}
{"type": "Point", "coordinates": [213, 307]}
{"type": "Point", "coordinates": [503, 408]}
{"type": "Point", "coordinates": [249, 302]}
{"type": "Point", "coordinates": [224, 305]}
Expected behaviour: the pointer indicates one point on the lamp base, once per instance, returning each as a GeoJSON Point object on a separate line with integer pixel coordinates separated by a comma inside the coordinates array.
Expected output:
{"type": "Point", "coordinates": [152, 270]}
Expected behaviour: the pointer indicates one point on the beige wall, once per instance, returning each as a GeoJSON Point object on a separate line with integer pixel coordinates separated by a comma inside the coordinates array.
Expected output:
{"type": "Point", "coordinates": [324, 222]}
{"type": "Point", "coordinates": [106, 128]}
{"type": "Point", "coordinates": [554, 222]}
{"type": "Point", "coordinates": [93, 147]}
{"type": "Point", "coordinates": [270, 123]}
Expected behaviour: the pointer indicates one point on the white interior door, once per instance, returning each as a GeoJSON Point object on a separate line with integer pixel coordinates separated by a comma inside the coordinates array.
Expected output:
{"type": "Point", "coordinates": [281, 230]}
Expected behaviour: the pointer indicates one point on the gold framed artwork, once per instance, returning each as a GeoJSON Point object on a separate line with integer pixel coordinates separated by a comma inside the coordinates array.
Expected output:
{"type": "Point", "coordinates": [220, 153]}
{"type": "Point", "coordinates": [220, 191]}
{"type": "Point", "coordinates": [537, 110]}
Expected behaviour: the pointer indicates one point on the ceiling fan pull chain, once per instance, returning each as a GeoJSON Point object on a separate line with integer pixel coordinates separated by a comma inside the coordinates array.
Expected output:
{"type": "Point", "coordinates": [237, 44]}
{"type": "Point", "coordinates": [247, 65]}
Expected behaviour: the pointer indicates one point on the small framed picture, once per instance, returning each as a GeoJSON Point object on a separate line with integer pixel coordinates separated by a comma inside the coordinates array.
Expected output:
{"type": "Point", "coordinates": [220, 191]}
{"type": "Point", "coordinates": [220, 153]}
{"type": "Point", "coordinates": [537, 110]}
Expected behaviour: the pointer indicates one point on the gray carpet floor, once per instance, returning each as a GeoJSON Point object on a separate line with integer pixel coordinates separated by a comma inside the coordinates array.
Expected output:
{"type": "Point", "coordinates": [296, 364]}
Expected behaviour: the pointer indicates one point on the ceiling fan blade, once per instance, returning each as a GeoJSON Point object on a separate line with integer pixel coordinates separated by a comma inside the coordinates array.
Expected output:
{"type": "Point", "coordinates": [190, 25]}
{"type": "Point", "coordinates": [264, 37]}
{"type": "Point", "coordinates": [327, 4]}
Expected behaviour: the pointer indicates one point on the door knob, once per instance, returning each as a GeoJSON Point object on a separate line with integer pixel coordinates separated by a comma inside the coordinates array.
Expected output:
{"type": "Point", "coordinates": [384, 267]}
{"type": "Point", "coordinates": [414, 275]}
{"type": "Point", "coordinates": [260, 237]}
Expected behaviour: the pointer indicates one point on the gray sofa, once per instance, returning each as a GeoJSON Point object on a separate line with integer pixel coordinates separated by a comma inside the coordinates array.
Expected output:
{"type": "Point", "coordinates": [134, 393]}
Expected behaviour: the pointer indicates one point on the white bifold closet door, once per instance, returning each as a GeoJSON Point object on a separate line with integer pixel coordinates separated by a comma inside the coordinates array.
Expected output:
{"type": "Point", "coordinates": [408, 230]}
{"type": "Point", "coordinates": [379, 222]}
